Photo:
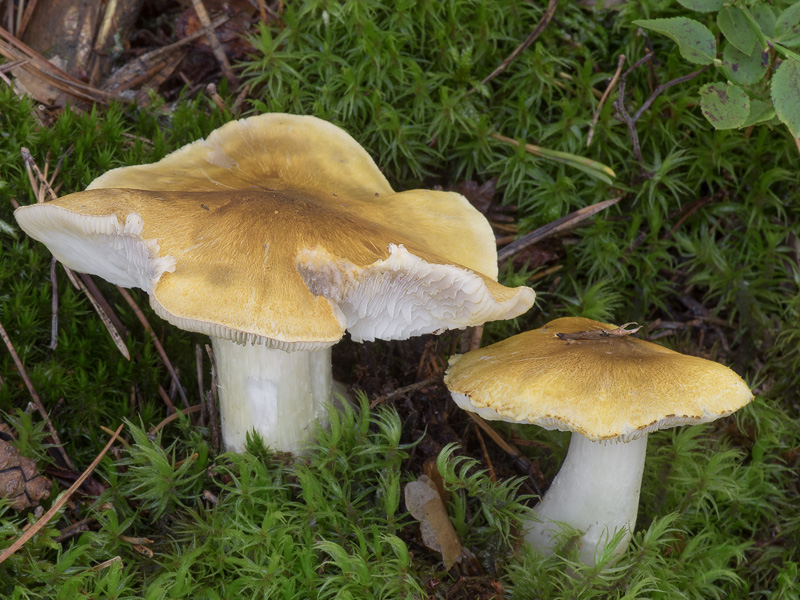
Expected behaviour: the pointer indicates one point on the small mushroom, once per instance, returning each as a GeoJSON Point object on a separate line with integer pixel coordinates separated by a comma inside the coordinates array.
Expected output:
{"type": "Point", "coordinates": [275, 235]}
{"type": "Point", "coordinates": [610, 390]}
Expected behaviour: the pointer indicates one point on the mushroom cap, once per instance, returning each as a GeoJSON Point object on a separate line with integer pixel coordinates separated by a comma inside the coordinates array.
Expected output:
{"type": "Point", "coordinates": [280, 230]}
{"type": "Point", "coordinates": [603, 387]}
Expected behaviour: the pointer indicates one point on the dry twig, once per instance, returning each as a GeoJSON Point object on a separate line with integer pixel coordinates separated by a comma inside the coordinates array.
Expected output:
{"type": "Point", "coordinates": [546, 18]}
{"type": "Point", "coordinates": [604, 97]}
{"type": "Point", "coordinates": [556, 226]}
{"type": "Point", "coordinates": [216, 47]}
{"type": "Point", "coordinates": [58, 503]}
{"type": "Point", "coordinates": [405, 390]}
{"type": "Point", "coordinates": [622, 112]}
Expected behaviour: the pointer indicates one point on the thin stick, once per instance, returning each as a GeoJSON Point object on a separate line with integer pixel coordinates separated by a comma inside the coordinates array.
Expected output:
{"type": "Point", "coordinates": [211, 398]}
{"type": "Point", "coordinates": [546, 18]}
{"type": "Point", "coordinates": [262, 11]}
{"type": "Point", "coordinates": [159, 348]}
{"type": "Point", "coordinates": [54, 306]}
{"type": "Point", "coordinates": [405, 390]}
{"type": "Point", "coordinates": [492, 475]}
{"type": "Point", "coordinates": [62, 500]}
{"type": "Point", "coordinates": [165, 397]}
{"type": "Point", "coordinates": [36, 400]}
{"type": "Point", "coordinates": [211, 36]}
{"type": "Point", "coordinates": [198, 358]}
{"type": "Point", "coordinates": [556, 226]}
{"type": "Point", "coordinates": [604, 97]}
{"type": "Point", "coordinates": [175, 415]}
{"type": "Point", "coordinates": [31, 164]}
{"type": "Point", "coordinates": [109, 325]}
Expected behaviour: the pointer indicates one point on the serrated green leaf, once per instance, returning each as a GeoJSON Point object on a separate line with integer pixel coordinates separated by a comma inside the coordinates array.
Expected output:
{"type": "Point", "coordinates": [744, 69]}
{"type": "Point", "coordinates": [695, 41]}
{"type": "Point", "coordinates": [725, 106]}
{"type": "Point", "coordinates": [786, 94]}
{"type": "Point", "coordinates": [703, 6]}
{"type": "Point", "coordinates": [787, 26]}
{"type": "Point", "coordinates": [759, 113]}
{"type": "Point", "coordinates": [765, 17]}
{"type": "Point", "coordinates": [733, 25]}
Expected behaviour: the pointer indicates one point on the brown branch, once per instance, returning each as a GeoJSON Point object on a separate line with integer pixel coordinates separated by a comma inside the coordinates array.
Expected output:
{"type": "Point", "coordinates": [58, 503]}
{"type": "Point", "coordinates": [546, 18]}
{"type": "Point", "coordinates": [604, 97]}
{"type": "Point", "coordinates": [622, 112]}
{"type": "Point", "coordinates": [216, 47]}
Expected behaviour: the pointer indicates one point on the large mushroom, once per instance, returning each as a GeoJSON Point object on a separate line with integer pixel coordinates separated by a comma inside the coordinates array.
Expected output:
{"type": "Point", "coordinates": [610, 390]}
{"type": "Point", "coordinates": [275, 235]}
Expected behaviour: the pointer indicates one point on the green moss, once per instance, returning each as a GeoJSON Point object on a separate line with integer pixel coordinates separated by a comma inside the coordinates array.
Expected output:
{"type": "Point", "coordinates": [706, 233]}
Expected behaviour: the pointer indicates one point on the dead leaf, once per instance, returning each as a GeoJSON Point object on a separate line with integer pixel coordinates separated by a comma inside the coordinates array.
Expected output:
{"type": "Point", "coordinates": [425, 505]}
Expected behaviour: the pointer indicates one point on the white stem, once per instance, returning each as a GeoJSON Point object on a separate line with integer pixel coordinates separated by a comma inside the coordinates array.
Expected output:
{"type": "Point", "coordinates": [278, 394]}
{"type": "Point", "coordinates": [596, 492]}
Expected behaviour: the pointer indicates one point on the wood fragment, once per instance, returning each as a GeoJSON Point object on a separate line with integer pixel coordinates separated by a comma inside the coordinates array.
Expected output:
{"type": "Point", "coordinates": [60, 502]}
{"type": "Point", "coordinates": [43, 70]}
{"type": "Point", "coordinates": [599, 334]}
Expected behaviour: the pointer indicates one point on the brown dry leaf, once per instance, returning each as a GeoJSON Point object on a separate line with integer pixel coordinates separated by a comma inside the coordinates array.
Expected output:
{"type": "Point", "coordinates": [425, 505]}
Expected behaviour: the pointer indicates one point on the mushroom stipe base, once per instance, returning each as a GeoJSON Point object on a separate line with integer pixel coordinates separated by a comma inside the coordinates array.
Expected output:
{"type": "Point", "coordinates": [596, 492]}
{"type": "Point", "coordinates": [278, 394]}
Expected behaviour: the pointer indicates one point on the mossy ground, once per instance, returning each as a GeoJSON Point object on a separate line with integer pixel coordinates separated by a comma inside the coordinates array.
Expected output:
{"type": "Point", "coordinates": [704, 246]}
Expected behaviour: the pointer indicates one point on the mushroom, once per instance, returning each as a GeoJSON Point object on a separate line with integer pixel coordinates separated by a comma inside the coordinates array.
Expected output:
{"type": "Point", "coordinates": [610, 390]}
{"type": "Point", "coordinates": [273, 236]}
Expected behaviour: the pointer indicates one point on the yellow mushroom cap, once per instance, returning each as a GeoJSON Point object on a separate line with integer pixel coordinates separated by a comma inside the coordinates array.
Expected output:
{"type": "Point", "coordinates": [603, 387]}
{"type": "Point", "coordinates": [280, 230]}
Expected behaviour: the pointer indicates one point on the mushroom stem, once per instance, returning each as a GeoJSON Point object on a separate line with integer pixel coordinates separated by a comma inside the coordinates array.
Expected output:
{"type": "Point", "coordinates": [278, 394]}
{"type": "Point", "coordinates": [596, 492]}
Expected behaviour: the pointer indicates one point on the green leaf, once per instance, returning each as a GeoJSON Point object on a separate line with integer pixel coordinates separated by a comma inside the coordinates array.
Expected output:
{"type": "Point", "coordinates": [725, 106]}
{"type": "Point", "coordinates": [704, 6]}
{"type": "Point", "coordinates": [765, 18]}
{"type": "Point", "coordinates": [744, 69]}
{"type": "Point", "coordinates": [759, 113]}
{"type": "Point", "coordinates": [786, 94]}
{"type": "Point", "coordinates": [733, 25]}
{"type": "Point", "coordinates": [787, 27]}
{"type": "Point", "coordinates": [694, 40]}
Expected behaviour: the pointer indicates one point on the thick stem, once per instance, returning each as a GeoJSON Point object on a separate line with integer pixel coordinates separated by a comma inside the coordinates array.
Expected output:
{"type": "Point", "coordinates": [278, 394]}
{"type": "Point", "coordinates": [596, 492]}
